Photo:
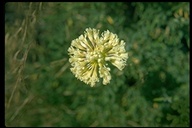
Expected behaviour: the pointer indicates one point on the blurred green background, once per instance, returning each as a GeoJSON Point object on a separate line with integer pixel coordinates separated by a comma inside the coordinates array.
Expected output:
{"type": "Point", "coordinates": [153, 89]}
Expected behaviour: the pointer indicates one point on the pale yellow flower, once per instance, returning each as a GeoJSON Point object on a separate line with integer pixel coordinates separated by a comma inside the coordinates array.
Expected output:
{"type": "Point", "coordinates": [89, 55]}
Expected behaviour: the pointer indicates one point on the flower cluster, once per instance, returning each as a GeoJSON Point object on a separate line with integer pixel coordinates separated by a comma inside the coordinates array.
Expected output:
{"type": "Point", "coordinates": [90, 53]}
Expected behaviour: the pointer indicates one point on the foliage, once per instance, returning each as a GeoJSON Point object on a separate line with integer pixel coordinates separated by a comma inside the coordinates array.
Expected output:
{"type": "Point", "coordinates": [153, 89]}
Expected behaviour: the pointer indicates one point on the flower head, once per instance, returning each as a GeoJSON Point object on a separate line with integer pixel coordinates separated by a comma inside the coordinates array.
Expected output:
{"type": "Point", "coordinates": [89, 55]}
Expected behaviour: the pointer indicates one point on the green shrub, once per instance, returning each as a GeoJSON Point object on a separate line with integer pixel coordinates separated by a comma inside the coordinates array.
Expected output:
{"type": "Point", "coordinates": [152, 90]}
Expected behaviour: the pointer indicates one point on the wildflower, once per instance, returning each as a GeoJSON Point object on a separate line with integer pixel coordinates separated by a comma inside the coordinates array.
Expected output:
{"type": "Point", "coordinates": [90, 54]}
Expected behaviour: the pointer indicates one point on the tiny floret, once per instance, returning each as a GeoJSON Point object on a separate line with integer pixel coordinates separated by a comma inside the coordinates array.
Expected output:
{"type": "Point", "coordinates": [90, 55]}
